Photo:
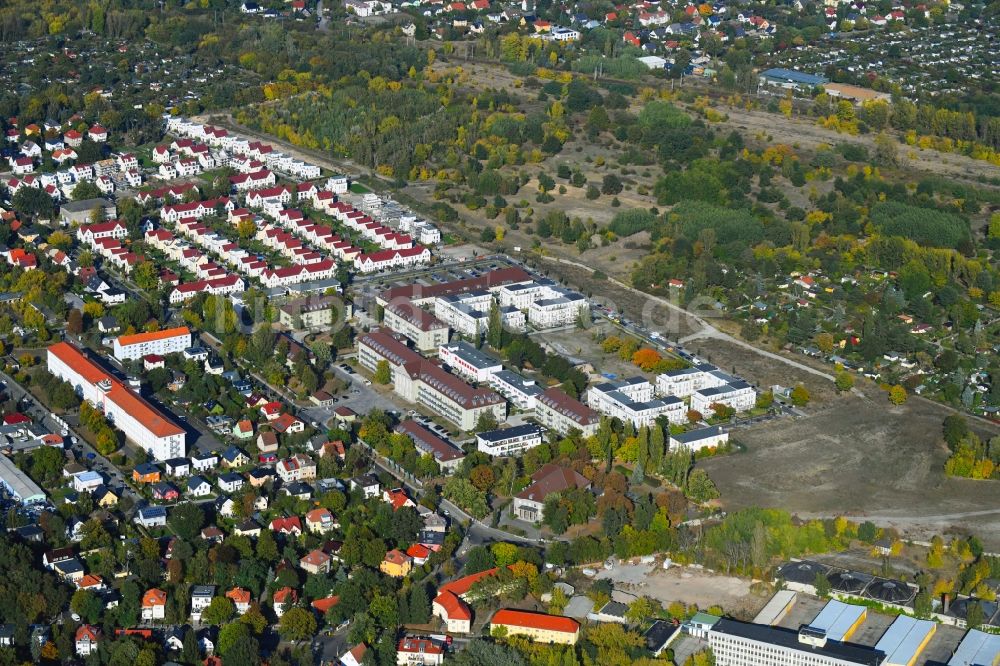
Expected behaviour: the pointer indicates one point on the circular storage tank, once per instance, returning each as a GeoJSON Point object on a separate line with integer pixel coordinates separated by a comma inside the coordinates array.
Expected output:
{"type": "Point", "coordinates": [890, 591]}
{"type": "Point", "coordinates": [849, 582]}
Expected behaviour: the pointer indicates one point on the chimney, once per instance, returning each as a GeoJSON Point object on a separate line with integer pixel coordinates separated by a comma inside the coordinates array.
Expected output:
{"type": "Point", "coordinates": [945, 602]}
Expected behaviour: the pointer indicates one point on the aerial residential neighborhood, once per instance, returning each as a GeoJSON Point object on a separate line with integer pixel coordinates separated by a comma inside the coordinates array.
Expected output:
{"type": "Point", "coordinates": [499, 332]}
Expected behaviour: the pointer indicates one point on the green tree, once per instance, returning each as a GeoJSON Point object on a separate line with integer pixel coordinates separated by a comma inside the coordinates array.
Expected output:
{"type": "Point", "coordinates": [229, 635]}
{"type": "Point", "coordinates": [494, 332]}
{"type": "Point", "coordinates": [219, 611]}
{"type": "Point", "coordinates": [87, 605]}
{"type": "Point", "coordinates": [297, 624]}
{"type": "Point", "coordinates": [419, 604]}
{"type": "Point", "coordinates": [701, 488]}
{"type": "Point", "coordinates": [383, 374]}
{"type": "Point", "coordinates": [822, 584]}
{"type": "Point", "coordinates": [897, 395]}
{"type": "Point", "coordinates": [800, 396]}
{"type": "Point", "coordinates": [31, 201]}
{"type": "Point", "coordinates": [611, 184]}
{"type": "Point", "coordinates": [189, 651]}
{"type": "Point", "coordinates": [844, 381]}
{"type": "Point", "coordinates": [487, 421]}
{"type": "Point", "coordinates": [146, 276]}
{"type": "Point", "coordinates": [85, 190]}
{"type": "Point", "coordinates": [186, 520]}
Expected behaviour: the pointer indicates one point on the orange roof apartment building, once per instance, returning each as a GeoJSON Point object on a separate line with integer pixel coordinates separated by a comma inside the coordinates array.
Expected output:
{"type": "Point", "coordinates": [539, 627]}
{"type": "Point", "coordinates": [144, 425]}
{"type": "Point", "coordinates": [167, 341]}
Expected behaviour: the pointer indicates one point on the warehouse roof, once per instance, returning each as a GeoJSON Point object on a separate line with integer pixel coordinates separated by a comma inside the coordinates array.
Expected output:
{"type": "Point", "coordinates": [787, 638]}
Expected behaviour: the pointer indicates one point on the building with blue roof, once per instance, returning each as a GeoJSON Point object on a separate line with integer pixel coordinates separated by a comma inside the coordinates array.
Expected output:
{"type": "Point", "coordinates": [790, 78]}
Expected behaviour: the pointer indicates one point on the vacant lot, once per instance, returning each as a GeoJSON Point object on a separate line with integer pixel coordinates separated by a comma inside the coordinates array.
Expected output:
{"type": "Point", "coordinates": [581, 344]}
{"type": "Point", "coordinates": [863, 459]}
{"type": "Point", "coordinates": [686, 585]}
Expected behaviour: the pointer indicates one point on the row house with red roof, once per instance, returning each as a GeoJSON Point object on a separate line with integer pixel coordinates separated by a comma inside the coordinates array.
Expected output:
{"type": "Point", "coordinates": [220, 286]}
{"type": "Point", "coordinates": [116, 254]}
{"type": "Point", "coordinates": [196, 209]}
{"type": "Point", "coordinates": [280, 277]}
{"type": "Point", "coordinates": [257, 180]}
{"type": "Point", "coordinates": [271, 200]}
{"type": "Point", "coordinates": [391, 259]}
{"type": "Point", "coordinates": [163, 195]}
{"type": "Point", "coordinates": [89, 234]}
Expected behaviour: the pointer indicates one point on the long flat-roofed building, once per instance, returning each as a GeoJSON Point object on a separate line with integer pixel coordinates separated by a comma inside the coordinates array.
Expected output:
{"type": "Point", "coordinates": [905, 640]}
{"type": "Point", "coordinates": [558, 411]}
{"type": "Point", "coordinates": [427, 331]}
{"type": "Point", "coordinates": [838, 620]}
{"type": "Point", "coordinates": [160, 437]}
{"type": "Point", "coordinates": [743, 644]}
{"type": "Point", "coordinates": [700, 438]}
{"type": "Point", "coordinates": [516, 388]}
{"type": "Point", "coordinates": [977, 649]}
{"type": "Point", "coordinates": [510, 441]}
{"type": "Point", "coordinates": [632, 400]}
{"type": "Point", "coordinates": [167, 341]}
{"type": "Point", "coordinates": [739, 395]}
{"type": "Point", "coordinates": [19, 485]}
{"type": "Point", "coordinates": [467, 361]}
{"type": "Point", "coordinates": [447, 455]}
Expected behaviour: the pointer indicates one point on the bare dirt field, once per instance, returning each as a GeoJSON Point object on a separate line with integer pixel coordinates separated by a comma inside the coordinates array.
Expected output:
{"type": "Point", "coordinates": [805, 133]}
{"type": "Point", "coordinates": [581, 344]}
{"type": "Point", "coordinates": [862, 459]}
{"type": "Point", "coordinates": [686, 585]}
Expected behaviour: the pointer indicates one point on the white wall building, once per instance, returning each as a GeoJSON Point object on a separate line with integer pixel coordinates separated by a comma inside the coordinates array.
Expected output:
{"type": "Point", "coordinates": [632, 400]}
{"type": "Point", "coordinates": [467, 361]}
{"type": "Point", "coordinates": [739, 395]}
{"type": "Point", "coordinates": [510, 441]}
{"type": "Point", "coordinates": [515, 388]}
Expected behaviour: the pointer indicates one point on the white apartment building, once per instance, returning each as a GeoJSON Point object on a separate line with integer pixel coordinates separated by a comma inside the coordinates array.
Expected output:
{"type": "Point", "coordinates": [562, 310]}
{"type": "Point", "coordinates": [523, 294]}
{"type": "Point", "coordinates": [510, 441]}
{"type": "Point", "coordinates": [466, 361]}
{"type": "Point", "coordinates": [455, 400]}
{"type": "Point", "coordinates": [548, 305]}
{"type": "Point", "coordinates": [378, 345]}
{"type": "Point", "coordinates": [127, 411]}
{"type": "Point", "coordinates": [466, 313]}
{"type": "Point", "coordinates": [632, 400]}
{"type": "Point", "coordinates": [515, 388]}
{"type": "Point", "coordinates": [686, 381]}
{"type": "Point", "coordinates": [167, 341]}
{"type": "Point", "coordinates": [702, 438]}
{"type": "Point", "coordinates": [739, 395]}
